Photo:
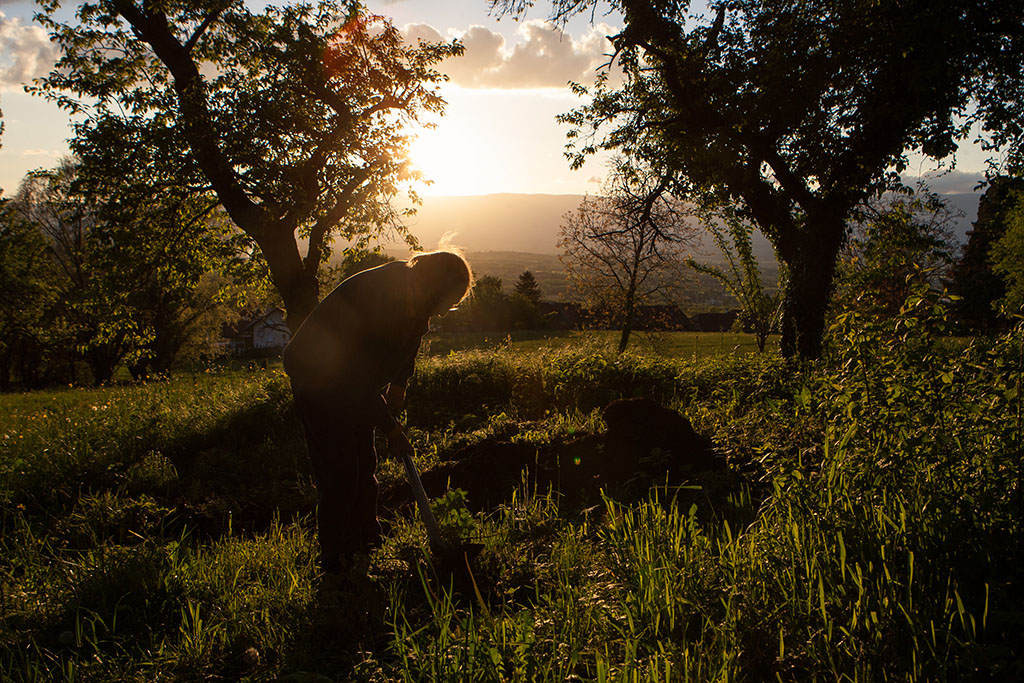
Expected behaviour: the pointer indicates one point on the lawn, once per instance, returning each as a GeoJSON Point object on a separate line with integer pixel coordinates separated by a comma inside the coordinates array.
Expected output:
{"type": "Point", "coordinates": [693, 345]}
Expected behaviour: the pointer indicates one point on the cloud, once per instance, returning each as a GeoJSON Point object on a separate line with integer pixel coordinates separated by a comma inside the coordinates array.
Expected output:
{"type": "Point", "coordinates": [950, 182]}
{"type": "Point", "coordinates": [25, 52]}
{"type": "Point", "coordinates": [544, 56]}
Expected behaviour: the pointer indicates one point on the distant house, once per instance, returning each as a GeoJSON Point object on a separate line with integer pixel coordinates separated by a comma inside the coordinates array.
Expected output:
{"type": "Point", "coordinates": [662, 318]}
{"type": "Point", "coordinates": [264, 334]}
{"type": "Point", "coordinates": [714, 322]}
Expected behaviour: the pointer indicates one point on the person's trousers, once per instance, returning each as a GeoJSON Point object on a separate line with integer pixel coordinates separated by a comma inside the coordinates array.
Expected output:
{"type": "Point", "coordinates": [344, 461]}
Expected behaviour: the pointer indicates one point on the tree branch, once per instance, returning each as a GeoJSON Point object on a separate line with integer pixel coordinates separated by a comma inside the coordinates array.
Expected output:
{"type": "Point", "coordinates": [207, 22]}
{"type": "Point", "coordinates": [198, 129]}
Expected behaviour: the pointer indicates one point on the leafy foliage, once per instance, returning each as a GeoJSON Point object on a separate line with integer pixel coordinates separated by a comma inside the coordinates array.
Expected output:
{"type": "Point", "coordinates": [491, 308]}
{"type": "Point", "coordinates": [133, 281]}
{"type": "Point", "coordinates": [760, 311]}
{"type": "Point", "coordinates": [898, 243]}
{"type": "Point", "coordinates": [1007, 256]}
{"type": "Point", "coordinates": [974, 281]}
{"type": "Point", "coordinates": [26, 297]}
{"type": "Point", "coordinates": [293, 117]}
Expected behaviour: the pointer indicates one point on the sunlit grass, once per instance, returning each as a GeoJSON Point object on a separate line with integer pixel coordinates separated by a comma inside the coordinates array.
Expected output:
{"type": "Point", "coordinates": [694, 345]}
{"type": "Point", "coordinates": [165, 531]}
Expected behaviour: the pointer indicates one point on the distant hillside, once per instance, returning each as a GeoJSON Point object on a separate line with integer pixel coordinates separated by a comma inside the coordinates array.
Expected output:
{"type": "Point", "coordinates": [508, 265]}
{"type": "Point", "coordinates": [505, 234]}
{"type": "Point", "coordinates": [702, 292]}
{"type": "Point", "coordinates": [495, 222]}
{"type": "Point", "coordinates": [966, 204]}
{"type": "Point", "coordinates": [529, 223]}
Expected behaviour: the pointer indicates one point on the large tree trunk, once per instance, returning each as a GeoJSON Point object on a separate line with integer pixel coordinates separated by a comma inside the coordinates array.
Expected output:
{"type": "Point", "coordinates": [102, 365]}
{"type": "Point", "coordinates": [5, 371]}
{"type": "Point", "coordinates": [812, 266]}
{"type": "Point", "coordinates": [299, 289]}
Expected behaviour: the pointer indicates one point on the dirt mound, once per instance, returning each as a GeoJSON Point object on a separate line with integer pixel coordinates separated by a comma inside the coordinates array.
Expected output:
{"type": "Point", "coordinates": [646, 444]}
{"type": "Point", "coordinates": [645, 438]}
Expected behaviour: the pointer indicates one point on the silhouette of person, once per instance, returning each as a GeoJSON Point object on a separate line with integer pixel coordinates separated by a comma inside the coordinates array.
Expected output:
{"type": "Point", "coordinates": [363, 337]}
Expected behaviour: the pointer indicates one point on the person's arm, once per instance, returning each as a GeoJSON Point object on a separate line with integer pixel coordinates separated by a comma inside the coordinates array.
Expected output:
{"type": "Point", "coordinates": [381, 416]}
{"type": "Point", "coordinates": [396, 389]}
{"type": "Point", "coordinates": [394, 432]}
{"type": "Point", "coordinates": [398, 442]}
{"type": "Point", "coordinates": [395, 398]}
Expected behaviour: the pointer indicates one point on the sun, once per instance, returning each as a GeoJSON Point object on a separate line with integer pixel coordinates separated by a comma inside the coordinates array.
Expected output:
{"type": "Point", "coordinates": [472, 150]}
{"type": "Point", "coordinates": [496, 141]}
{"type": "Point", "coordinates": [455, 162]}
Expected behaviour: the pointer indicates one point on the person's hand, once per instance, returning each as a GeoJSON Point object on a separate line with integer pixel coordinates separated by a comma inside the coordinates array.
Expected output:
{"type": "Point", "coordinates": [395, 398]}
{"type": "Point", "coordinates": [398, 443]}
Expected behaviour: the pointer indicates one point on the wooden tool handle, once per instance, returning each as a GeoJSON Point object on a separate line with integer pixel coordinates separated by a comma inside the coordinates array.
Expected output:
{"type": "Point", "coordinates": [433, 534]}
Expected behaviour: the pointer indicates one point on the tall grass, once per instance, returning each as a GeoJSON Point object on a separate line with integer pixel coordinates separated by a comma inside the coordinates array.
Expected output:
{"type": "Point", "coordinates": [164, 531]}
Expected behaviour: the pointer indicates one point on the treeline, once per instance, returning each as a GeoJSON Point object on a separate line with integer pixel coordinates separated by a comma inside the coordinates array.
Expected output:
{"type": "Point", "coordinates": [88, 286]}
{"type": "Point", "coordinates": [490, 307]}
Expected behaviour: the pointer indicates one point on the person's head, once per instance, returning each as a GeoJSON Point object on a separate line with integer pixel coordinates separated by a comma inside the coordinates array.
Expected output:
{"type": "Point", "coordinates": [443, 279]}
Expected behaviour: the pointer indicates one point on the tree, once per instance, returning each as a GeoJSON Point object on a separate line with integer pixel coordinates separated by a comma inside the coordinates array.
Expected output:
{"type": "Point", "coordinates": [131, 273]}
{"type": "Point", "coordinates": [897, 243]}
{"type": "Point", "coordinates": [26, 297]}
{"type": "Point", "coordinates": [1007, 254]}
{"type": "Point", "coordinates": [87, 315]}
{"type": "Point", "coordinates": [293, 117]}
{"type": "Point", "coordinates": [797, 110]}
{"type": "Point", "coordinates": [488, 307]}
{"type": "Point", "coordinates": [760, 311]}
{"type": "Point", "coordinates": [491, 308]}
{"type": "Point", "coordinates": [527, 287]}
{"type": "Point", "coordinates": [978, 286]}
{"type": "Point", "coordinates": [625, 248]}
{"type": "Point", "coordinates": [524, 302]}
{"type": "Point", "coordinates": [173, 252]}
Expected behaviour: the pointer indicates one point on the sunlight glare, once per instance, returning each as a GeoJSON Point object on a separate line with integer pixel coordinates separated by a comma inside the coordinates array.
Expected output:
{"type": "Point", "coordinates": [456, 161]}
{"type": "Point", "coordinates": [497, 141]}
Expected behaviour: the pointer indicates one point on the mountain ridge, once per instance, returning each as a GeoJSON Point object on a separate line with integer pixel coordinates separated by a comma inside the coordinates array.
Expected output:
{"type": "Point", "coordinates": [529, 223]}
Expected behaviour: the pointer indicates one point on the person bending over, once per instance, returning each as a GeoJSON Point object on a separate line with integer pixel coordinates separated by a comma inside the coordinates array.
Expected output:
{"type": "Point", "coordinates": [349, 363]}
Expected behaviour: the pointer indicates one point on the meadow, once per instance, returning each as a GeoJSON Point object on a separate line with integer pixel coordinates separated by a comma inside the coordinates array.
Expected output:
{"type": "Point", "coordinates": [868, 528]}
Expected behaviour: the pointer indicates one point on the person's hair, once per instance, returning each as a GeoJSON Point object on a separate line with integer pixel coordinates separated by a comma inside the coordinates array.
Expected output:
{"type": "Point", "coordinates": [447, 269]}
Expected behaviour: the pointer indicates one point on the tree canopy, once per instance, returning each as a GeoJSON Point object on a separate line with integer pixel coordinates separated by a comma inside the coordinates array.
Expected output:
{"type": "Point", "coordinates": [125, 281]}
{"type": "Point", "coordinates": [1007, 252]}
{"type": "Point", "coordinates": [293, 117]}
{"type": "Point", "coordinates": [797, 112]}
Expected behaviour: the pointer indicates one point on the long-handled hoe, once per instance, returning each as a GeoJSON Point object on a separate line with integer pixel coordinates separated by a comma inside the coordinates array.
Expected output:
{"type": "Point", "coordinates": [449, 561]}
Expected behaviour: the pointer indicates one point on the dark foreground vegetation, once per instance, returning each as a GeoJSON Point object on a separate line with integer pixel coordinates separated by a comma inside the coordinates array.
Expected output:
{"type": "Point", "coordinates": [867, 527]}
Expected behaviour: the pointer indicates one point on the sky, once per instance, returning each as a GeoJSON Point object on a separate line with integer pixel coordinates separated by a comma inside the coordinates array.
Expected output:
{"type": "Point", "coordinates": [499, 132]}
